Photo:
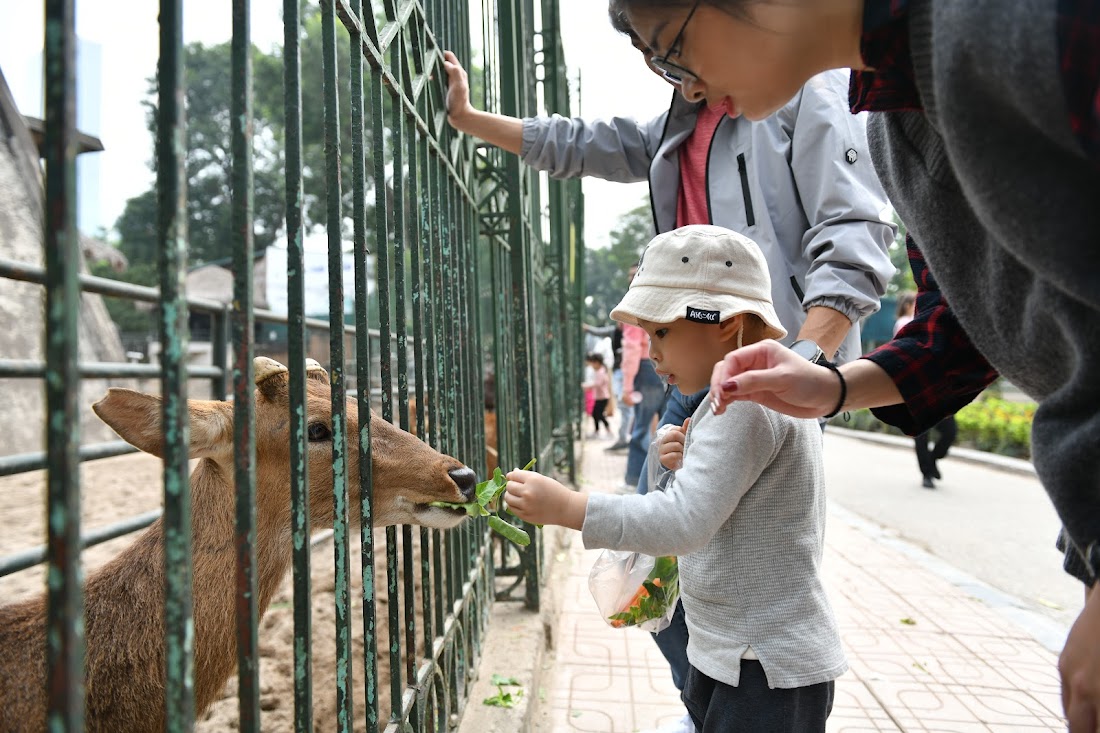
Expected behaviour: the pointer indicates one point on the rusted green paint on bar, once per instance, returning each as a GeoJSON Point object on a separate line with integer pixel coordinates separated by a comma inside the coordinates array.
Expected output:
{"type": "Point", "coordinates": [344, 694]}
{"type": "Point", "coordinates": [296, 352]}
{"type": "Point", "coordinates": [394, 619]}
{"type": "Point", "coordinates": [244, 408]}
{"type": "Point", "coordinates": [171, 154]}
{"type": "Point", "coordinates": [363, 364]}
{"type": "Point", "coordinates": [65, 622]}
{"type": "Point", "coordinates": [512, 25]}
{"type": "Point", "coordinates": [418, 162]}
{"type": "Point", "coordinates": [398, 139]}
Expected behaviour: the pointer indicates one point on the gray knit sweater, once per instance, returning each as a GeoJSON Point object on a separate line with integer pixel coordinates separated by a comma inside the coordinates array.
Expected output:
{"type": "Point", "coordinates": [1004, 204]}
{"type": "Point", "coordinates": [746, 516]}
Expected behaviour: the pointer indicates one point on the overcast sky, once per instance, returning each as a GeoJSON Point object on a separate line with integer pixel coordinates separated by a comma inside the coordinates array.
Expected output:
{"type": "Point", "coordinates": [614, 81]}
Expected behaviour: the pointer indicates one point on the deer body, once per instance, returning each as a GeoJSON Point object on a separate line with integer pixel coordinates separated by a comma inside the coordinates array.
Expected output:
{"type": "Point", "coordinates": [124, 600]}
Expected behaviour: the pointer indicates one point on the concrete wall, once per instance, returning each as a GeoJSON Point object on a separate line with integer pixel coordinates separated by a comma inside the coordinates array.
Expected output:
{"type": "Point", "coordinates": [22, 317]}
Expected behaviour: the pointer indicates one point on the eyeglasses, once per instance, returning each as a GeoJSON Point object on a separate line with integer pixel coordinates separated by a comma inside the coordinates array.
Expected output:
{"type": "Point", "coordinates": [673, 72]}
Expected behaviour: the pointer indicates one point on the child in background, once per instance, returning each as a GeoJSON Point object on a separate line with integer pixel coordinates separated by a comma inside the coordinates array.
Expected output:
{"type": "Point", "coordinates": [599, 382]}
{"type": "Point", "coordinates": [745, 513]}
{"type": "Point", "coordinates": [589, 395]}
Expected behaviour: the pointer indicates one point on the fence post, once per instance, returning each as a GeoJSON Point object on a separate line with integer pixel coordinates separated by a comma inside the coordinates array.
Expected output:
{"type": "Point", "coordinates": [172, 236]}
{"type": "Point", "coordinates": [65, 636]}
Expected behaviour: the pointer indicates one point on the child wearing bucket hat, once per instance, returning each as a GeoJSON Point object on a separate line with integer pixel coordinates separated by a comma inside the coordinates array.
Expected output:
{"type": "Point", "coordinates": [746, 511]}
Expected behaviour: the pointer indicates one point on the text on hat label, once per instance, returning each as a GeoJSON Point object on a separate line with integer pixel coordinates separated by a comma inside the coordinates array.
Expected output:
{"type": "Point", "coordinates": [701, 316]}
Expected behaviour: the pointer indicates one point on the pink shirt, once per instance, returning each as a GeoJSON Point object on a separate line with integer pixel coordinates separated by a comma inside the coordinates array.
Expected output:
{"type": "Point", "coordinates": [691, 203]}
{"type": "Point", "coordinates": [600, 384]}
{"type": "Point", "coordinates": [635, 348]}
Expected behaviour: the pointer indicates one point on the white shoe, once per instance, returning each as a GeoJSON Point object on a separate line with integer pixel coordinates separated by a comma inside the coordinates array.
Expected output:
{"type": "Point", "coordinates": [624, 488]}
{"type": "Point", "coordinates": [683, 725]}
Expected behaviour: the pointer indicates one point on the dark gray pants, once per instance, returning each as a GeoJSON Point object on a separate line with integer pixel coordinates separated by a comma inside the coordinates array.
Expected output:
{"type": "Point", "coordinates": [753, 707]}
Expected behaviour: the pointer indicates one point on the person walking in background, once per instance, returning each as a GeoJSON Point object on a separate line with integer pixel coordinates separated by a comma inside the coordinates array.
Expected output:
{"type": "Point", "coordinates": [907, 306]}
{"type": "Point", "coordinates": [600, 384]}
{"type": "Point", "coordinates": [945, 430]}
{"type": "Point", "coordinates": [626, 412]}
{"type": "Point", "coordinates": [586, 387]}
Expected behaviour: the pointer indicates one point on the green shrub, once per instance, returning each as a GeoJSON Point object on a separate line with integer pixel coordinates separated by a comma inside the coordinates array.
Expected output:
{"type": "Point", "coordinates": [989, 423]}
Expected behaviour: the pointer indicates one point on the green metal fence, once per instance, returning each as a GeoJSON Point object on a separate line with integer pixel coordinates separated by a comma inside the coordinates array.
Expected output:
{"type": "Point", "coordinates": [468, 285]}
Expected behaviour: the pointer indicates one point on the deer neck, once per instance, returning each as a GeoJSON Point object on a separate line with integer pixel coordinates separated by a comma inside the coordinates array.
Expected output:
{"type": "Point", "coordinates": [215, 568]}
{"type": "Point", "coordinates": [124, 604]}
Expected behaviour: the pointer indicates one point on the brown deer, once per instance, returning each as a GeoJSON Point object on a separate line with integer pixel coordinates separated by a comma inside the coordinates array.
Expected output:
{"type": "Point", "coordinates": [123, 619]}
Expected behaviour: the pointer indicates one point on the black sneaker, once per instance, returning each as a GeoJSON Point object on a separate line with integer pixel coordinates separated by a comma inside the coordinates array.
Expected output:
{"type": "Point", "coordinates": [927, 483]}
{"type": "Point", "coordinates": [617, 446]}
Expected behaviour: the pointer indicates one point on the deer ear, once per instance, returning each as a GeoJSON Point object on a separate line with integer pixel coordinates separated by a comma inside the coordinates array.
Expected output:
{"type": "Point", "coordinates": [136, 417]}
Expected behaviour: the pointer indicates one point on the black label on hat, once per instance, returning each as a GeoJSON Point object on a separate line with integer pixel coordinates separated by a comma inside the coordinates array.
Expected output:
{"type": "Point", "coordinates": [701, 316]}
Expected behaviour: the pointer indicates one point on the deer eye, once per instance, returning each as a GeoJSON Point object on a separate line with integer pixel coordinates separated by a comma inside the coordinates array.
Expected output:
{"type": "Point", "coordinates": [318, 432]}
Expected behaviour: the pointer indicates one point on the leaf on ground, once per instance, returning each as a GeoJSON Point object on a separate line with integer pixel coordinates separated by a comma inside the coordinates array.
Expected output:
{"type": "Point", "coordinates": [499, 680]}
{"type": "Point", "coordinates": [500, 700]}
{"type": "Point", "coordinates": [908, 621]}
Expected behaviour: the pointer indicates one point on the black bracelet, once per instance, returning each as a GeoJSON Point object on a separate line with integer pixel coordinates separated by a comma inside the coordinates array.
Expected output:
{"type": "Point", "coordinates": [843, 387]}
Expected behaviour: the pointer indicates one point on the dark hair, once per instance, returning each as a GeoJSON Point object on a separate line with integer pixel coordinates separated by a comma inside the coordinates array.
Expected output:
{"type": "Point", "coordinates": [619, 21]}
{"type": "Point", "coordinates": [906, 301]}
{"type": "Point", "coordinates": [593, 356]}
{"type": "Point", "coordinates": [736, 8]}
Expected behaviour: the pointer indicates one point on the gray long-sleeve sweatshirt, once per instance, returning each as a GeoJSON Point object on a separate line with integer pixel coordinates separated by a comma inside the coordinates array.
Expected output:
{"type": "Point", "coordinates": [746, 516]}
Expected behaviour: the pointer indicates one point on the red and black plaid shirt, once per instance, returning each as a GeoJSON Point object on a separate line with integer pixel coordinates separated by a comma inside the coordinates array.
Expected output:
{"type": "Point", "coordinates": [931, 360]}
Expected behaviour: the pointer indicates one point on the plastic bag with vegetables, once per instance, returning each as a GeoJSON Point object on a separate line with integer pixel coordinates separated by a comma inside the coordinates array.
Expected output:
{"type": "Point", "coordinates": [634, 589]}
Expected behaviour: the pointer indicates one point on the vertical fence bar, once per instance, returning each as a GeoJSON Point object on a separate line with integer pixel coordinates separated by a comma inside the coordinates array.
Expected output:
{"type": "Point", "coordinates": [557, 100]}
{"type": "Point", "coordinates": [65, 626]}
{"type": "Point", "coordinates": [432, 331]}
{"type": "Point", "coordinates": [385, 358]}
{"type": "Point", "coordinates": [344, 695]}
{"type": "Point", "coordinates": [171, 154]}
{"type": "Point", "coordinates": [363, 366]}
{"type": "Point", "coordinates": [244, 408]}
{"type": "Point", "coordinates": [397, 143]}
{"type": "Point", "coordinates": [418, 167]}
{"type": "Point", "coordinates": [296, 353]}
{"type": "Point", "coordinates": [512, 97]}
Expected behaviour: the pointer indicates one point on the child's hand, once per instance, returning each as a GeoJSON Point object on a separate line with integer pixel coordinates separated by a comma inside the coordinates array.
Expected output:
{"type": "Point", "coordinates": [541, 500]}
{"type": "Point", "coordinates": [671, 450]}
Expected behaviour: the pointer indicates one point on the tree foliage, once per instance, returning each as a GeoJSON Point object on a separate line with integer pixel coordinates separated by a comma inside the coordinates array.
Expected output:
{"type": "Point", "coordinates": [130, 316]}
{"type": "Point", "coordinates": [606, 269]}
{"type": "Point", "coordinates": [209, 157]}
{"type": "Point", "coordinates": [903, 277]}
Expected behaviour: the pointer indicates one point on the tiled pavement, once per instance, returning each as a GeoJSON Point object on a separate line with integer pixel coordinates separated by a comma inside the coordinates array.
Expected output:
{"type": "Point", "coordinates": [924, 655]}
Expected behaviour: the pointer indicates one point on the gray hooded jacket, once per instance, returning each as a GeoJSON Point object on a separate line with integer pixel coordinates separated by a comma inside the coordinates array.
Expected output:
{"type": "Point", "coordinates": [800, 183]}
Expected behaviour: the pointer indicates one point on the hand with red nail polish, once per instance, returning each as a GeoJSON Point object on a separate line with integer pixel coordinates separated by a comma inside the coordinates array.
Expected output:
{"type": "Point", "coordinates": [774, 376]}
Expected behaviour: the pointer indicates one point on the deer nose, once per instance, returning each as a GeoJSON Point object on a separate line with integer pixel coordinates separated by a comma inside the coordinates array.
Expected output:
{"type": "Point", "coordinates": [466, 480]}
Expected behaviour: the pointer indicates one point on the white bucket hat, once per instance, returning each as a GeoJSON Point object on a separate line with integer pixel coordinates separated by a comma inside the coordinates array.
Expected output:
{"type": "Point", "coordinates": [702, 273]}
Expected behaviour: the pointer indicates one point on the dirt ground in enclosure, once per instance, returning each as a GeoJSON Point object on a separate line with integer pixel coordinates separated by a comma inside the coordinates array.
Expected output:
{"type": "Point", "coordinates": [116, 488]}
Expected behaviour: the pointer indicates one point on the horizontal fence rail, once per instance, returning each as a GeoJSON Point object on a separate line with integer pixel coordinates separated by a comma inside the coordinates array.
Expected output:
{"type": "Point", "coordinates": [461, 325]}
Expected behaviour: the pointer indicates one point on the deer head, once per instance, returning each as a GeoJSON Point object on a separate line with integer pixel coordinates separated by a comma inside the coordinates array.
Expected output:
{"type": "Point", "coordinates": [407, 473]}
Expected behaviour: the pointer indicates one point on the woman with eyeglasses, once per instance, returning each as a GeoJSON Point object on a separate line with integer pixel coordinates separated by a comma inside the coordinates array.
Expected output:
{"type": "Point", "coordinates": [985, 131]}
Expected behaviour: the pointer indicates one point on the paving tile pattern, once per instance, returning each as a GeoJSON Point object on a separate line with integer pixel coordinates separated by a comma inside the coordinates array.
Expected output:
{"type": "Point", "coordinates": [924, 655]}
